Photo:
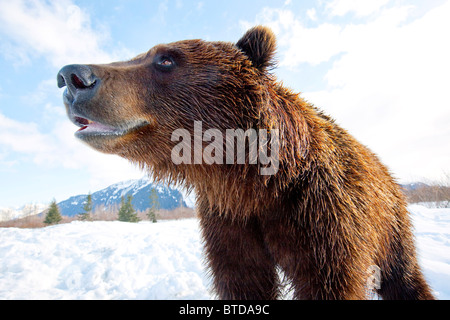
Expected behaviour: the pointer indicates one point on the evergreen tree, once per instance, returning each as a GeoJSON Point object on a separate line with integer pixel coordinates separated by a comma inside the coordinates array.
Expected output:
{"type": "Point", "coordinates": [53, 215]}
{"type": "Point", "coordinates": [154, 205]}
{"type": "Point", "coordinates": [126, 211]}
{"type": "Point", "coordinates": [86, 215]}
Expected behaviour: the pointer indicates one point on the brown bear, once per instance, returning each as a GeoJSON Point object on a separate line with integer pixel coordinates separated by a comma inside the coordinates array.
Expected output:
{"type": "Point", "coordinates": [328, 214]}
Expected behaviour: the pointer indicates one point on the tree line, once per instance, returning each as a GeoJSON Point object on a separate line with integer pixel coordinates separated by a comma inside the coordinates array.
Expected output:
{"type": "Point", "coordinates": [127, 213]}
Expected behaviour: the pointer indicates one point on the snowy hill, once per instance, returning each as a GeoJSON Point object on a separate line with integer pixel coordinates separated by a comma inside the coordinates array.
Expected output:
{"type": "Point", "coordinates": [103, 260]}
{"type": "Point", "coordinates": [169, 198]}
{"type": "Point", "coordinates": [164, 260]}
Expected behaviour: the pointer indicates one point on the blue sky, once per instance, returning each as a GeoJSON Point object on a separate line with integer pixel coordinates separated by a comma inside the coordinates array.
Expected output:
{"type": "Point", "coordinates": [379, 67]}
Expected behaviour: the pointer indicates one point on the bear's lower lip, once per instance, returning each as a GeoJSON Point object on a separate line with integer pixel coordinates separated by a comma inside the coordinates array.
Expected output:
{"type": "Point", "coordinates": [92, 128]}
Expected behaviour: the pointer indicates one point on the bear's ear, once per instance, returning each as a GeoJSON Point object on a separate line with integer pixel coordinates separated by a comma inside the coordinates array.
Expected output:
{"type": "Point", "coordinates": [259, 44]}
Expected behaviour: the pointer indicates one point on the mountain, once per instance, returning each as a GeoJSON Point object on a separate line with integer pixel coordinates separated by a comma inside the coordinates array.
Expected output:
{"type": "Point", "coordinates": [29, 209]}
{"type": "Point", "coordinates": [169, 198]}
{"type": "Point", "coordinates": [413, 186]}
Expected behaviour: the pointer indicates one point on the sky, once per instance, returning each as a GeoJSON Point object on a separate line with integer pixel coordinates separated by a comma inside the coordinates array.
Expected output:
{"type": "Point", "coordinates": [379, 67]}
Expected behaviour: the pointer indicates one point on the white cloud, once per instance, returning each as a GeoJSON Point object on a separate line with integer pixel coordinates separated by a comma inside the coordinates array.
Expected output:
{"type": "Point", "coordinates": [160, 16]}
{"type": "Point", "coordinates": [388, 84]}
{"type": "Point", "coordinates": [312, 14]}
{"type": "Point", "coordinates": [360, 8]}
{"type": "Point", "coordinates": [22, 137]}
{"type": "Point", "coordinates": [103, 169]}
{"type": "Point", "coordinates": [297, 42]}
{"type": "Point", "coordinates": [60, 149]}
{"type": "Point", "coordinates": [41, 93]}
{"type": "Point", "coordinates": [57, 30]}
{"type": "Point", "coordinates": [6, 164]}
{"type": "Point", "coordinates": [62, 33]}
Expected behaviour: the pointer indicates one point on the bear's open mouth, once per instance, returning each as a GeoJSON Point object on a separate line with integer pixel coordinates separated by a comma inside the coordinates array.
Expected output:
{"type": "Point", "coordinates": [94, 128]}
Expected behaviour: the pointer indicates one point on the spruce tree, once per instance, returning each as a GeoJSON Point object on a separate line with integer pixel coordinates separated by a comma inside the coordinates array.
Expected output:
{"type": "Point", "coordinates": [126, 211]}
{"type": "Point", "coordinates": [53, 215]}
{"type": "Point", "coordinates": [154, 205]}
{"type": "Point", "coordinates": [86, 215]}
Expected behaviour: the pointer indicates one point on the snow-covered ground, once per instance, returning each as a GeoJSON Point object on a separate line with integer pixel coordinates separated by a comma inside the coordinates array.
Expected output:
{"type": "Point", "coordinates": [432, 229]}
{"type": "Point", "coordinates": [119, 260]}
{"type": "Point", "coordinates": [103, 260]}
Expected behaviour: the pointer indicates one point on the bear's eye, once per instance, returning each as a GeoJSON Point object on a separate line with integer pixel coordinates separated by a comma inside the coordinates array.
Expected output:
{"type": "Point", "coordinates": [164, 63]}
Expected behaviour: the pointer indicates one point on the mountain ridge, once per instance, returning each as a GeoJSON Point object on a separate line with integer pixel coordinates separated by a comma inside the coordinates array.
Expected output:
{"type": "Point", "coordinates": [169, 198]}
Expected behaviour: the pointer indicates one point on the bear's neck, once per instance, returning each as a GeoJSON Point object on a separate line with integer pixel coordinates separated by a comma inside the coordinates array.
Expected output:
{"type": "Point", "coordinates": [241, 188]}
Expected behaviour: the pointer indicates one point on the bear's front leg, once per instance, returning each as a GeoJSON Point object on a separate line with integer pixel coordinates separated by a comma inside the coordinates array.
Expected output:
{"type": "Point", "coordinates": [240, 262]}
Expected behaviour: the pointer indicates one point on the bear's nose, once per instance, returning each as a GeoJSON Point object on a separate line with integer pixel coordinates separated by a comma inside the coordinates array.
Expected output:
{"type": "Point", "coordinates": [80, 82]}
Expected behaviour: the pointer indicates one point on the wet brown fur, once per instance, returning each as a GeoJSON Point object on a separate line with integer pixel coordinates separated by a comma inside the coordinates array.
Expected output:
{"type": "Point", "coordinates": [331, 211]}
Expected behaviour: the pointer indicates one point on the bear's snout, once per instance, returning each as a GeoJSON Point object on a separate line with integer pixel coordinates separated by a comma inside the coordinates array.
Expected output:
{"type": "Point", "coordinates": [81, 83]}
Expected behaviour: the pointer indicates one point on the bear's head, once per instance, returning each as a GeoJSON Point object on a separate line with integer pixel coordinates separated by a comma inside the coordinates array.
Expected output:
{"type": "Point", "coordinates": [131, 107]}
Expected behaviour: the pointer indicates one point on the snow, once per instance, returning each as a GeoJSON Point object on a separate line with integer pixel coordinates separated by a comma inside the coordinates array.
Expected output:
{"type": "Point", "coordinates": [131, 185]}
{"type": "Point", "coordinates": [189, 198]}
{"type": "Point", "coordinates": [432, 230]}
{"type": "Point", "coordinates": [164, 260]}
{"type": "Point", "coordinates": [103, 260]}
